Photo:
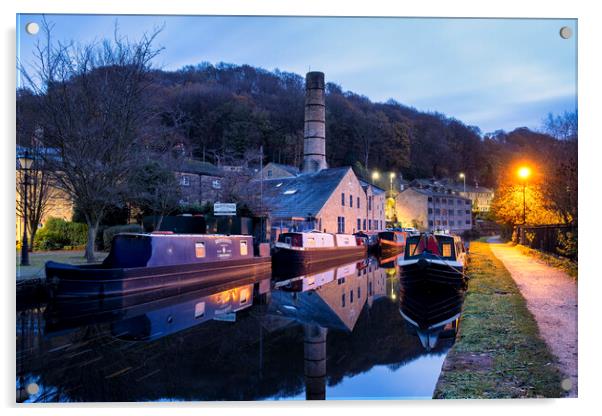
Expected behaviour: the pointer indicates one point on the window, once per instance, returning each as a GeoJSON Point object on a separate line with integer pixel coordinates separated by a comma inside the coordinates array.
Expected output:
{"type": "Point", "coordinates": [343, 199]}
{"type": "Point", "coordinates": [437, 211]}
{"type": "Point", "coordinates": [437, 200]}
{"type": "Point", "coordinates": [430, 210]}
{"type": "Point", "coordinates": [343, 300]}
{"type": "Point", "coordinates": [199, 249]}
{"type": "Point", "coordinates": [446, 250]}
{"type": "Point", "coordinates": [290, 192]}
{"type": "Point", "coordinates": [369, 224]}
{"type": "Point", "coordinates": [451, 222]}
{"type": "Point", "coordinates": [199, 310]}
{"type": "Point", "coordinates": [458, 201]}
{"type": "Point", "coordinates": [359, 224]}
{"type": "Point", "coordinates": [460, 212]}
{"type": "Point", "coordinates": [468, 222]}
{"type": "Point", "coordinates": [185, 180]}
{"type": "Point", "coordinates": [430, 223]}
{"type": "Point", "coordinates": [269, 173]}
{"type": "Point", "coordinates": [243, 248]}
{"type": "Point", "coordinates": [351, 296]}
{"type": "Point", "coordinates": [216, 184]}
{"type": "Point", "coordinates": [467, 202]}
{"type": "Point", "coordinates": [430, 199]}
{"type": "Point", "coordinates": [340, 225]}
{"type": "Point", "coordinates": [358, 202]}
{"type": "Point", "coordinates": [370, 203]}
{"type": "Point", "coordinates": [467, 211]}
{"type": "Point", "coordinates": [444, 201]}
{"type": "Point", "coordinates": [369, 288]}
{"type": "Point", "coordinates": [444, 222]}
{"type": "Point", "coordinates": [351, 201]}
{"type": "Point", "coordinates": [359, 293]}
{"type": "Point", "coordinates": [364, 224]}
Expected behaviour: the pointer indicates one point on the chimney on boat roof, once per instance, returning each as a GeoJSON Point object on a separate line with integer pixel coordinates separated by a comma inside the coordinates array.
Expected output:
{"type": "Point", "coordinates": [314, 136]}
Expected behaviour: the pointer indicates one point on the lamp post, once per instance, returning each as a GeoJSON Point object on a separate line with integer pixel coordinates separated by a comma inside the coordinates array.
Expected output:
{"type": "Point", "coordinates": [25, 162]}
{"type": "Point", "coordinates": [375, 176]}
{"type": "Point", "coordinates": [524, 172]}
{"type": "Point", "coordinates": [463, 177]}
{"type": "Point", "coordinates": [391, 177]}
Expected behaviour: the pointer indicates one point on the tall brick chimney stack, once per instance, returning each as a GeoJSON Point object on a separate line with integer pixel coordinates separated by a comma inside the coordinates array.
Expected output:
{"type": "Point", "coordinates": [314, 138]}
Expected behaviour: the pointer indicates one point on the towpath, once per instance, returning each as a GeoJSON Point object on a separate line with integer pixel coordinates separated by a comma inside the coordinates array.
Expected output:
{"type": "Point", "coordinates": [551, 297]}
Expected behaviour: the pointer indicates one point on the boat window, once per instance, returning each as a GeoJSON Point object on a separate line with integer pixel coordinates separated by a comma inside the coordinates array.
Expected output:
{"type": "Point", "coordinates": [290, 192]}
{"type": "Point", "coordinates": [199, 310]}
{"type": "Point", "coordinates": [243, 248]}
{"type": "Point", "coordinates": [199, 249]}
{"type": "Point", "coordinates": [244, 296]}
{"type": "Point", "coordinates": [311, 242]}
{"type": "Point", "coordinates": [446, 249]}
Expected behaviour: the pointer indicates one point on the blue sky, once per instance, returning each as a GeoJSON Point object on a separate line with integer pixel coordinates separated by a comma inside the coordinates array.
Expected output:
{"type": "Point", "coordinates": [492, 73]}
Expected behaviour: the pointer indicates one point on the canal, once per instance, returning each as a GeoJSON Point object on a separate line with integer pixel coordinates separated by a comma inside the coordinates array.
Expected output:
{"type": "Point", "coordinates": [350, 331]}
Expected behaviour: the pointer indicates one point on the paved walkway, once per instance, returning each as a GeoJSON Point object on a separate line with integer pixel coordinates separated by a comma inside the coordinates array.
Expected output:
{"type": "Point", "coordinates": [551, 297]}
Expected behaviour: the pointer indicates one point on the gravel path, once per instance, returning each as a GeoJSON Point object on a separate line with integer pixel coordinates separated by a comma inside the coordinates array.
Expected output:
{"type": "Point", "coordinates": [551, 297]}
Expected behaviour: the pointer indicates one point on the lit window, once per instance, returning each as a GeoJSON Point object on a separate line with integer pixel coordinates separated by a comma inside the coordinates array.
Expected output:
{"type": "Point", "coordinates": [185, 180]}
{"type": "Point", "coordinates": [446, 249]}
{"type": "Point", "coordinates": [216, 184]}
{"type": "Point", "coordinates": [243, 248]}
{"type": "Point", "coordinates": [199, 249]}
{"type": "Point", "coordinates": [199, 310]}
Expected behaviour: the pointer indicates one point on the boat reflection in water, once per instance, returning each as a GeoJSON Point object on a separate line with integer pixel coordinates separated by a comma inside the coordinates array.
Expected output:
{"type": "Point", "coordinates": [435, 314]}
{"type": "Point", "coordinates": [333, 333]}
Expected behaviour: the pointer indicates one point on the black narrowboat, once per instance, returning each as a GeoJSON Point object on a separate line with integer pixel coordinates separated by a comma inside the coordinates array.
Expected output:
{"type": "Point", "coordinates": [433, 259]}
{"type": "Point", "coordinates": [139, 262]}
{"type": "Point", "coordinates": [303, 248]}
{"type": "Point", "coordinates": [392, 241]}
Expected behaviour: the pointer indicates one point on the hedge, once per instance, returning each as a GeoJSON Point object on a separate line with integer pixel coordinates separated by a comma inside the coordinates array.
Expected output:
{"type": "Point", "coordinates": [58, 233]}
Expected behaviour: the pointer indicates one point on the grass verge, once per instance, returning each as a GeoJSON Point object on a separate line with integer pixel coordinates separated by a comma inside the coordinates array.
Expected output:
{"type": "Point", "coordinates": [38, 259]}
{"type": "Point", "coordinates": [498, 352]}
{"type": "Point", "coordinates": [566, 265]}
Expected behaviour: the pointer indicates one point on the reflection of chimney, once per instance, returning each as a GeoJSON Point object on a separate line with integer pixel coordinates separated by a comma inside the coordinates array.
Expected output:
{"type": "Point", "coordinates": [314, 358]}
{"type": "Point", "coordinates": [314, 137]}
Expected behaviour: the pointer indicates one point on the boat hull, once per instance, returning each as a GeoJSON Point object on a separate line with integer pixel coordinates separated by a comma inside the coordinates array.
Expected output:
{"type": "Point", "coordinates": [284, 258]}
{"type": "Point", "coordinates": [427, 271]}
{"type": "Point", "coordinates": [65, 281]}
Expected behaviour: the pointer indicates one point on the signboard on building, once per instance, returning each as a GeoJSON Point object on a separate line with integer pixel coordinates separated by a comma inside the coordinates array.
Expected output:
{"type": "Point", "coordinates": [224, 209]}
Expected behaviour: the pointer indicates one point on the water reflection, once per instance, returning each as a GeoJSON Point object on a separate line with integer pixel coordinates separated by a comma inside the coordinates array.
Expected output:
{"type": "Point", "coordinates": [320, 334]}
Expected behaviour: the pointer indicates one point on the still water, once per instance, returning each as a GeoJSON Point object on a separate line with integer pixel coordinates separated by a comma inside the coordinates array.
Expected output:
{"type": "Point", "coordinates": [346, 332]}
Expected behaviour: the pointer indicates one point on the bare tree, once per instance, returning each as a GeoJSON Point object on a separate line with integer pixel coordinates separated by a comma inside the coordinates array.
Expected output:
{"type": "Point", "coordinates": [93, 107]}
{"type": "Point", "coordinates": [155, 188]}
{"type": "Point", "coordinates": [40, 192]}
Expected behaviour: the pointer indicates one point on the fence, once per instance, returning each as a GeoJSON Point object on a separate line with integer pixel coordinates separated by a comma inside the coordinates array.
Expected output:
{"type": "Point", "coordinates": [557, 239]}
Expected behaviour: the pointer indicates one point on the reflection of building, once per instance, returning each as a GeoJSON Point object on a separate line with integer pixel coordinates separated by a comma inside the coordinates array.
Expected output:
{"type": "Point", "coordinates": [330, 200]}
{"type": "Point", "coordinates": [200, 182]}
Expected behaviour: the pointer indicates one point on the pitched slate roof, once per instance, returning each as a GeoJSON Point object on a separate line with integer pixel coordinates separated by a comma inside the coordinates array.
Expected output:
{"type": "Point", "coordinates": [300, 196]}
{"type": "Point", "coordinates": [288, 168]}
{"type": "Point", "coordinates": [376, 189]}
{"type": "Point", "coordinates": [200, 168]}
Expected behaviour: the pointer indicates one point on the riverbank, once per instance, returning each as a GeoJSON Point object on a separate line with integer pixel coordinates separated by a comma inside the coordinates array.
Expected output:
{"type": "Point", "coordinates": [37, 260]}
{"type": "Point", "coordinates": [499, 352]}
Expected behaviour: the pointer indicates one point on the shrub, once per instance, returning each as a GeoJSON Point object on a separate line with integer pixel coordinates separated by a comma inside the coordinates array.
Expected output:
{"type": "Point", "coordinates": [58, 233]}
{"type": "Point", "coordinates": [110, 232]}
{"type": "Point", "coordinates": [567, 244]}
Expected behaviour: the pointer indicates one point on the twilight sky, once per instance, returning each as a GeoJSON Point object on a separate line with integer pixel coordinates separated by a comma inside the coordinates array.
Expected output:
{"type": "Point", "coordinates": [492, 73]}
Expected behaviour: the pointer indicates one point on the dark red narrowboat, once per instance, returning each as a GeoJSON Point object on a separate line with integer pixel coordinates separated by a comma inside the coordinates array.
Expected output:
{"type": "Point", "coordinates": [392, 240]}
{"type": "Point", "coordinates": [139, 262]}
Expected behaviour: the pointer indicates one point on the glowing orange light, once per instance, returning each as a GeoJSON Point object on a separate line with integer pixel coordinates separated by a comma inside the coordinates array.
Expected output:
{"type": "Point", "coordinates": [524, 172]}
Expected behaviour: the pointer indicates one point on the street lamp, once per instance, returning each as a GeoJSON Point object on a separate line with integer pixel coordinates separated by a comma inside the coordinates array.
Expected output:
{"type": "Point", "coordinates": [463, 177]}
{"type": "Point", "coordinates": [524, 172]}
{"type": "Point", "coordinates": [391, 177]}
{"type": "Point", "coordinates": [25, 162]}
{"type": "Point", "coordinates": [375, 176]}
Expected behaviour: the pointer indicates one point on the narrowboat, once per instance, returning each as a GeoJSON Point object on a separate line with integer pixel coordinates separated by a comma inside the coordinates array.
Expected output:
{"type": "Point", "coordinates": [392, 240]}
{"type": "Point", "coordinates": [434, 259]}
{"type": "Point", "coordinates": [318, 278]}
{"type": "Point", "coordinates": [370, 239]}
{"type": "Point", "coordinates": [139, 262]}
{"type": "Point", "coordinates": [303, 248]}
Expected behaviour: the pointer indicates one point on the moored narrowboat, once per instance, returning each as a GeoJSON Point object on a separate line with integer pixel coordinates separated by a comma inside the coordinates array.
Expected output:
{"type": "Point", "coordinates": [433, 258]}
{"type": "Point", "coordinates": [392, 240]}
{"type": "Point", "coordinates": [302, 248]}
{"type": "Point", "coordinates": [138, 262]}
